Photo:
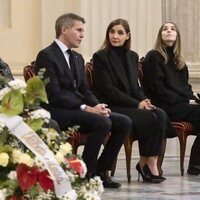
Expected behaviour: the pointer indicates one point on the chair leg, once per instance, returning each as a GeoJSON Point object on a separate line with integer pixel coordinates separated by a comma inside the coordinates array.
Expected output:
{"type": "Point", "coordinates": [161, 157]}
{"type": "Point", "coordinates": [114, 167]}
{"type": "Point", "coordinates": [128, 151]}
{"type": "Point", "coordinates": [182, 141]}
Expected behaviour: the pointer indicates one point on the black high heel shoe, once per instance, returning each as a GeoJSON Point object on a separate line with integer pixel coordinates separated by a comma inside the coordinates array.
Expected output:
{"type": "Point", "coordinates": [153, 178]}
{"type": "Point", "coordinates": [140, 172]}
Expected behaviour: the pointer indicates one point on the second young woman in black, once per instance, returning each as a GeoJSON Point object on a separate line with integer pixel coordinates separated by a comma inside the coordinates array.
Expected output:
{"type": "Point", "coordinates": [166, 82]}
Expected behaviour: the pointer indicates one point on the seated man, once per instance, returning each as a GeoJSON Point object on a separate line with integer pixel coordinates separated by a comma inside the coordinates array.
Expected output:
{"type": "Point", "coordinates": [72, 103]}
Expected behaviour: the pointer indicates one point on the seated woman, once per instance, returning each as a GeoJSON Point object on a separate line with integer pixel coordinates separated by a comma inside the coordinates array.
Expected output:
{"type": "Point", "coordinates": [116, 83]}
{"type": "Point", "coordinates": [166, 83]}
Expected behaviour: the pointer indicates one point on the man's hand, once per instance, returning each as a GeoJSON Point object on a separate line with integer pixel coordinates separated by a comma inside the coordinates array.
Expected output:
{"type": "Point", "coordinates": [146, 104]}
{"type": "Point", "coordinates": [99, 109]}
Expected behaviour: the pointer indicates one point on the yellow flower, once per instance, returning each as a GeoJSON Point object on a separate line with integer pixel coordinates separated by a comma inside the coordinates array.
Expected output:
{"type": "Point", "coordinates": [4, 159]}
{"type": "Point", "coordinates": [26, 159]}
{"type": "Point", "coordinates": [65, 148]}
{"type": "Point", "coordinates": [52, 134]}
{"type": "Point", "coordinates": [16, 154]}
{"type": "Point", "coordinates": [59, 157]}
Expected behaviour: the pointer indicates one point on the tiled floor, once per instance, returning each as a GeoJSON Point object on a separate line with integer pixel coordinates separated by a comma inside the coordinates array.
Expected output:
{"type": "Point", "coordinates": [174, 188]}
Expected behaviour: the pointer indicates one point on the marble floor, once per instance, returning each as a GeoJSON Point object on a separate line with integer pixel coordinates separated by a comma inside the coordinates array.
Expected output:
{"type": "Point", "coordinates": [176, 187]}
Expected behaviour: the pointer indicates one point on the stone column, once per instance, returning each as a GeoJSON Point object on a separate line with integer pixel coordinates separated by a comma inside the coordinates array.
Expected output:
{"type": "Point", "coordinates": [143, 16]}
{"type": "Point", "coordinates": [186, 15]}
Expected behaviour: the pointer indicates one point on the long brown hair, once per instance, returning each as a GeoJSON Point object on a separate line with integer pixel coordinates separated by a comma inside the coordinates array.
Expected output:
{"type": "Point", "coordinates": [160, 46]}
{"type": "Point", "coordinates": [127, 44]}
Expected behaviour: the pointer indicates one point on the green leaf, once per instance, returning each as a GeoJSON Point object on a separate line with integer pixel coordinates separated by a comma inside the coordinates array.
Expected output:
{"type": "Point", "coordinates": [6, 149]}
{"type": "Point", "coordinates": [11, 186]}
{"type": "Point", "coordinates": [34, 191]}
{"type": "Point", "coordinates": [12, 103]}
{"type": "Point", "coordinates": [4, 136]}
{"type": "Point", "coordinates": [35, 124]}
{"type": "Point", "coordinates": [35, 91]}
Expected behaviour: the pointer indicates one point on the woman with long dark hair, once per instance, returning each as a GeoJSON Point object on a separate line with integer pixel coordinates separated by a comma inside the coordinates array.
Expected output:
{"type": "Point", "coordinates": [116, 83]}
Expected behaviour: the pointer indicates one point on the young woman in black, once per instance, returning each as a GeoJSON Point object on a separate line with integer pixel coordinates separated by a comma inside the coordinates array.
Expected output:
{"type": "Point", "coordinates": [166, 83]}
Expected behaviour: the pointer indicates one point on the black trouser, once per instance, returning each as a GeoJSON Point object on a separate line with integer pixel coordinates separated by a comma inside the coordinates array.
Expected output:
{"type": "Point", "coordinates": [193, 117]}
{"type": "Point", "coordinates": [97, 127]}
{"type": "Point", "coordinates": [149, 128]}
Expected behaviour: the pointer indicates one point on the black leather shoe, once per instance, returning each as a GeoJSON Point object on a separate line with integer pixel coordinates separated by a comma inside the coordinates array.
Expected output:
{"type": "Point", "coordinates": [193, 170]}
{"type": "Point", "coordinates": [107, 181]}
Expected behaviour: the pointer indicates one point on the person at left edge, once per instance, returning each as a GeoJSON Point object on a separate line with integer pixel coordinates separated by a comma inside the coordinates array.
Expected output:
{"type": "Point", "coordinates": [72, 103]}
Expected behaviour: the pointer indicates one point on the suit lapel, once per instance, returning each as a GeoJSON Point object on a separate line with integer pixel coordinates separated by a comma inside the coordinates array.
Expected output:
{"type": "Point", "coordinates": [61, 59]}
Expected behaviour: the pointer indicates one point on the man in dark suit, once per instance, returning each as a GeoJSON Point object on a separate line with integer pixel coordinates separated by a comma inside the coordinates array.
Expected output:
{"type": "Point", "coordinates": [72, 103]}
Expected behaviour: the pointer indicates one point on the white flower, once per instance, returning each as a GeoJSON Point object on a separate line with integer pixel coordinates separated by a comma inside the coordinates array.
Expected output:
{"type": "Point", "coordinates": [26, 159]}
{"type": "Point", "coordinates": [40, 113]}
{"type": "Point", "coordinates": [65, 148]}
{"type": "Point", "coordinates": [12, 175]}
{"type": "Point", "coordinates": [4, 159]}
{"type": "Point", "coordinates": [71, 195]}
{"type": "Point", "coordinates": [91, 196]}
{"type": "Point", "coordinates": [96, 184]}
{"type": "Point", "coordinates": [16, 154]}
{"type": "Point", "coordinates": [52, 134]}
{"type": "Point", "coordinates": [3, 194]}
{"type": "Point", "coordinates": [18, 84]}
{"type": "Point", "coordinates": [2, 126]}
{"type": "Point", "coordinates": [59, 157]}
{"type": "Point", "coordinates": [4, 91]}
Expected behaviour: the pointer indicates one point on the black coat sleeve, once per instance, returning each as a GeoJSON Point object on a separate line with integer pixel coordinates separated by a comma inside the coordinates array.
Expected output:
{"type": "Point", "coordinates": [159, 82]}
{"type": "Point", "coordinates": [105, 87]}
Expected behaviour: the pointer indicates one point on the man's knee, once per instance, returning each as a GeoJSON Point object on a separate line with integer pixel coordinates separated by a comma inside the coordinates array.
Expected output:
{"type": "Point", "coordinates": [122, 123]}
{"type": "Point", "coordinates": [104, 124]}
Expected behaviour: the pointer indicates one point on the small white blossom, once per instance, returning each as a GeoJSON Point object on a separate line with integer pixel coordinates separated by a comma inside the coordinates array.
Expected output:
{"type": "Point", "coordinates": [12, 175]}
{"type": "Point", "coordinates": [51, 134]}
{"type": "Point", "coordinates": [49, 195]}
{"type": "Point", "coordinates": [2, 126]}
{"type": "Point", "coordinates": [18, 84]}
{"type": "Point", "coordinates": [4, 159]}
{"type": "Point", "coordinates": [3, 194]}
{"type": "Point", "coordinates": [40, 113]}
{"type": "Point", "coordinates": [96, 184]}
{"type": "Point", "coordinates": [91, 196]}
{"type": "Point", "coordinates": [71, 195]}
{"type": "Point", "coordinates": [65, 148]}
{"type": "Point", "coordinates": [26, 159]}
{"type": "Point", "coordinates": [59, 157]}
{"type": "Point", "coordinates": [16, 154]}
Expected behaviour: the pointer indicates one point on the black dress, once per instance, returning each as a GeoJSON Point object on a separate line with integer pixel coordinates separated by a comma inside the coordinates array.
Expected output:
{"type": "Point", "coordinates": [116, 83]}
{"type": "Point", "coordinates": [169, 89]}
